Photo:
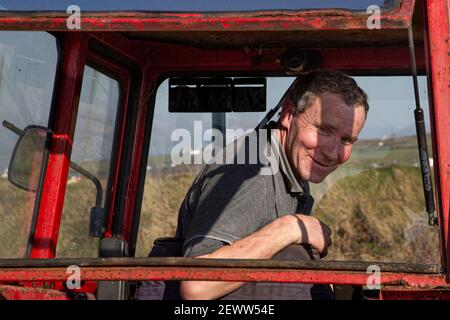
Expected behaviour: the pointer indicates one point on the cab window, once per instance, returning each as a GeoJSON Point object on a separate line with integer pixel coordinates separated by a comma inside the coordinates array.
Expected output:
{"type": "Point", "coordinates": [92, 151]}
{"type": "Point", "coordinates": [28, 62]}
{"type": "Point", "coordinates": [374, 203]}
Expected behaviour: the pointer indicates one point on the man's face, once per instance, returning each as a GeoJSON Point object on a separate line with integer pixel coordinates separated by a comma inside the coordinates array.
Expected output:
{"type": "Point", "coordinates": [321, 138]}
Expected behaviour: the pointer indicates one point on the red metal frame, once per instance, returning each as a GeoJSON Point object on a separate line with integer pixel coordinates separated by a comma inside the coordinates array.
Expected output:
{"type": "Point", "coordinates": [123, 75]}
{"type": "Point", "coordinates": [21, 293]}
{"type": "Point", "coordinates": [398, 18]}
{"type": "Point", "coordinates": [114, 273]}
{"type": "Point", "coordinates": [437, 12]}
{"type": "Point", "coordinates": [149, 86]}
{"type": "Point", "coordinates": [54, 185]}
{"type": "Point", "coordinates": [178, 58]}
{"type": "Point", "coordinates": [158, 60]}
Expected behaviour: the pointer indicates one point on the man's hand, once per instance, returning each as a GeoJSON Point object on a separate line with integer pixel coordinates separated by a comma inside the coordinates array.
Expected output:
{"type": "Point", "coordinates": [310, 230]}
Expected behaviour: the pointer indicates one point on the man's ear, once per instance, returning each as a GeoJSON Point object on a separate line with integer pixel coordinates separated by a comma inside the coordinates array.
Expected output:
{"type": "Point", "coordinates": [287, 113]}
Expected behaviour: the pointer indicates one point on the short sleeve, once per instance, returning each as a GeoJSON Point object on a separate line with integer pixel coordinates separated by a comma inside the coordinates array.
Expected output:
{"type": "Point", "coordinates": [231, 204]}
{"type": "Point", "coordinates": [201, 246]}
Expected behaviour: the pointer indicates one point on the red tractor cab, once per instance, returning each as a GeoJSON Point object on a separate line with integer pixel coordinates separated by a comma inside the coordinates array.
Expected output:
{"type": "Point", "coordinates": [89, 107]}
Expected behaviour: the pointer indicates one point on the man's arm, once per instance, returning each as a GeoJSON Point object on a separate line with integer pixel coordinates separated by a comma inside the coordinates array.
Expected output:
{"type": "Point", "coordinates": [262, 244]}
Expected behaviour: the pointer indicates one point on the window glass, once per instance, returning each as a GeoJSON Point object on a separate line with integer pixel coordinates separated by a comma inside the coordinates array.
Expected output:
{"type": "Point", "coordinates": [374, 203]}
{"type": "Point", "coordinates": [28, 63]}
{"type": "Point", "coordinates": [92, 151]}
{"type": "Point", "coordinates": [166, 183]}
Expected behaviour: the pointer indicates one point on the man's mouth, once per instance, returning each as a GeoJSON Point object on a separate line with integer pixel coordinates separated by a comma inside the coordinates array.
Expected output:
{"type": "Point", "coordinates": [322, 164]}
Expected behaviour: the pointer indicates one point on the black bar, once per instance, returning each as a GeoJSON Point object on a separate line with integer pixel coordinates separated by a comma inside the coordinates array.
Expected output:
{"type": "Point", "coordinates": [425, 166]}
{"type": "Point", "coordinates": [421, 139]}
{"type": "Point", "coordinates": [12, 127]}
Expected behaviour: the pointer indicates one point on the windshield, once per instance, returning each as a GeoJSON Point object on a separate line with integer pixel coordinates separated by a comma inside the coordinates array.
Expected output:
{"type": "Point", "coordinates": [374, 203]}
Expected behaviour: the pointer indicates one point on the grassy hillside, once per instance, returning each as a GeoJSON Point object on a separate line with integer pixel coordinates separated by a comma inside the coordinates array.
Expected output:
{"type": "Point", "coordinates": [379, 215]}
{"type": "Point", "coordinates": [16, 209]}
{"type": "Point", "coordinates": [375, 215]}
{"type": "Point", "coordinates": [163, 195]}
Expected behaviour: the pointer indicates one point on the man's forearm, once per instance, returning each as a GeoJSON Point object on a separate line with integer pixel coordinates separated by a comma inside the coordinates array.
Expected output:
{"type": "Point", "coordinates": [263, 244]}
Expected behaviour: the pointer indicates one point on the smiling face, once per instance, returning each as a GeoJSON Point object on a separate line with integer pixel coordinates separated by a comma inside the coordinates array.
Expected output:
{"type": "Point", "coordinates": [320, 139]}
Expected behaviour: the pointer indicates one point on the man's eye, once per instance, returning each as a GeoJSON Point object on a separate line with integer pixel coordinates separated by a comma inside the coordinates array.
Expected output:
{"type": "Point", "coordinates": [324, 130]}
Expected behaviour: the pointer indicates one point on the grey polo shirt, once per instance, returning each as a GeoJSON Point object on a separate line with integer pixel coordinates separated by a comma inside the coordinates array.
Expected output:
{"type": "Point", "coordinates": [228, 202]}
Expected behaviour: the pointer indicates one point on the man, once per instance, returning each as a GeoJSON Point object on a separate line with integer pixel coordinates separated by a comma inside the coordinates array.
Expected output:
{"type": "Point", "coordinates": [235, 212]}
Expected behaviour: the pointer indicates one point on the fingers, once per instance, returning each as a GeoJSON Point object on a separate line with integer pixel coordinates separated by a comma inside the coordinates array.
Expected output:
{"type": "Point", "coordinates": [324, 252]}
{"type": "Point", "coordinates": [326, 230]}
{"type": "Point", "coordinates": [315, 233]}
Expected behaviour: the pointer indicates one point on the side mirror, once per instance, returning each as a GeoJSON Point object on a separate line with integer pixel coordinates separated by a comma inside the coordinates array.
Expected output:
{"type": "Point", "coordinates": [26, 161]}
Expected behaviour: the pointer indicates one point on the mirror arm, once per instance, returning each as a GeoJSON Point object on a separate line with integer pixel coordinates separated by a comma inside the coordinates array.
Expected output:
{"type": "Point", "coordinates": [12, 127]}
{"type": "Point", "coordinates": [95, 181]}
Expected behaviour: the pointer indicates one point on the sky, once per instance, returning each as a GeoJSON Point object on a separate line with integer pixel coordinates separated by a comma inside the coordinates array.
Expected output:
{"type": "Point", "coordinates": [183, 5]}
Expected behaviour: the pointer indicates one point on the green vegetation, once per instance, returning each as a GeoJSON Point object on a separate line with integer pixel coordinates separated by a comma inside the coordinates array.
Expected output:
{"type": "Point", "coordinates": [378, 215]}
{"type": "Point", "coordinates": [163, 195]}
{"type": "Point", "coordinates": [16, 210]}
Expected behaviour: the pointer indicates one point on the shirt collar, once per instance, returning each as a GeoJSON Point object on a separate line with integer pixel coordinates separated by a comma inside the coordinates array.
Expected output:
{"type": "Point", "coordinates": [294, 185]}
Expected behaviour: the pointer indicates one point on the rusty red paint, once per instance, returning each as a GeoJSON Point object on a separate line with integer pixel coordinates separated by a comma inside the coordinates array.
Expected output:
{"type": "Point", "coordinates": [173, 58]}
{"type": "Point", "coordinates": [324, 19]}
{"type": "Point", "coordinates": [21, 293]}
{"type": "Point", "coordinates": [54, 186]}
{"type": "Point", "coordinates": [223, 274]}
{"type": "Point", "coordinates": [158, 61]}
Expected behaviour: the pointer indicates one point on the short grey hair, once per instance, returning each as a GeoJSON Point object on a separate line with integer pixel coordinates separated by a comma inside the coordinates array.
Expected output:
{"type": "Point", "coordinates": [308, 86]}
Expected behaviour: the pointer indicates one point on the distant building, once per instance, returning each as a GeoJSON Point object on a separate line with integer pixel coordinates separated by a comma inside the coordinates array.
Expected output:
{"type": "Point", "coordinates": [4, 174]}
